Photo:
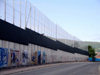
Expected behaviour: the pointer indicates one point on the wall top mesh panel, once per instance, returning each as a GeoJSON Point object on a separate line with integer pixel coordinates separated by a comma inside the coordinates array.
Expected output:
{"type": "Point", "coordinates": [24, 14]}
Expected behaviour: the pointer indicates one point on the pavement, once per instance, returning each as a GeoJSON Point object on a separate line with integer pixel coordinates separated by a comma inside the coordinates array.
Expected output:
{"type": "Point", "coordinates": [76, 68]}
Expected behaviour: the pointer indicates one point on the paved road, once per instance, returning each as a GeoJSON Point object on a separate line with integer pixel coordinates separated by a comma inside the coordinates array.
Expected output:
{"type": "Point", "coordinates": [83, 68]}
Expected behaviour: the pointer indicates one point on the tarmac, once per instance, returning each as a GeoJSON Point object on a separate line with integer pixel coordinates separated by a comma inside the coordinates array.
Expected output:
{"type": "Point", "coordinates": [70, 68]}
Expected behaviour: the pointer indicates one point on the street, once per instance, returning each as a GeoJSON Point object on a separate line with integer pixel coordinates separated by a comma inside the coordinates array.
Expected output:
{"type": "Point", "coordinates": [79, 68]}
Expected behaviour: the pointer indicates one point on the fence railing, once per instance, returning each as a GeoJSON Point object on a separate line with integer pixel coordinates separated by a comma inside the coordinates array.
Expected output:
{"type": "Point", "coordinates": [23, 14]}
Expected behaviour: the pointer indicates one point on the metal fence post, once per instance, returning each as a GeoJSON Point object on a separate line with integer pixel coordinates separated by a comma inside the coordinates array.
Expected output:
{"type": "Point", "coordinates": [20, 13]}
{"type": "Point", "coordinates": [25, 12]}
{"type": "Point", "coordinates": [5, 10]}
{"type": "Point", "coordinates": [30, 14]}
{"type": "Point", "coordinates": [34, 18]}
{"type": "Point", "coordinates": [13, 12]}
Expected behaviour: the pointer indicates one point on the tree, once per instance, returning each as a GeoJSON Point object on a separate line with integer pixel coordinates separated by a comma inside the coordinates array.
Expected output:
{"type": "Point", "coordinates": [91, 52]}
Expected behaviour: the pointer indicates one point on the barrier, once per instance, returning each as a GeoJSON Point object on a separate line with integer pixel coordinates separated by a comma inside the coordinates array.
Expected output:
{"type": "Point", "coordinates": [33, 55]}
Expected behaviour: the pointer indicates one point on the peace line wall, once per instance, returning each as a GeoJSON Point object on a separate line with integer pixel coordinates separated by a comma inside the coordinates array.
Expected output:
{"type": "Point", "coordinates": [14, 54]}
{"type": "Point", "coordinates": [25, 47]}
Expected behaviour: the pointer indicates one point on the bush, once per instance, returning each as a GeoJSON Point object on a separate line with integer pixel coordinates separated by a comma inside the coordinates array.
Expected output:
{"type": "Point", "coordinates": [91, 52]}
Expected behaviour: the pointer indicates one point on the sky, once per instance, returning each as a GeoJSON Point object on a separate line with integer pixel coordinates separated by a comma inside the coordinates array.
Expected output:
{"type": "Point", "coordinates": [80, 18]}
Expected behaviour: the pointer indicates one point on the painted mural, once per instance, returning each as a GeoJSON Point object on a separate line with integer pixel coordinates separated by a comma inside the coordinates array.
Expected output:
{"type": "Point", "coordinates": [3, 57]}
{"type": "Point", "coordinates": [44, 58]}
{"type": "Point", "coordinates": [39, 57]}
{"type": "Point", "coordinates": [36, 58]}
{"type": "Point", "coordinates": [98, 56]}
{"type": "Point", "coordinates": [25, 57]}
{"type": "Point", "coordinates": [33, 58]}
{"type": "Point", "coordinates": [15, 57]}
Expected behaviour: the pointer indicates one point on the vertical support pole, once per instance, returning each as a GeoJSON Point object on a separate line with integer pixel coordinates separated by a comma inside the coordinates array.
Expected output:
{"type": "Point", "coordinates": [13, 12]}
{"type": "Point", "coordinates": [40, 25]}
{"type": "Point", "coordinates": [20, 13]}
{"type": "Point", "coordinates": [38, 22]}
{"type": "Point", "coordinates": [25, 13]}
{"type": "Point", "coordinates": [34, 18]}
{"type": "Point", "coordinates": [44, 25]}
{"type": "Point", "coordinates": [51, 29]}
{"type": "Point", "coordinates": [73, 41]}
{"type": "Point", "coordinates": [30, 15]}
{"type": "Point", "coordinates": [5, 10]}
{"type": "Point", "coordinates": [56, 31]}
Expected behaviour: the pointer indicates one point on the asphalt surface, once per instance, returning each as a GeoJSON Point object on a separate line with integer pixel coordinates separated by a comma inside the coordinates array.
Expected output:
{"type": "Point", "coordinates": [82, 68]}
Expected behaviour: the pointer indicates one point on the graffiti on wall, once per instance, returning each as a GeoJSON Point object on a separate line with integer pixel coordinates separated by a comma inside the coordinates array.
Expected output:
{"type": "Point", "coordinates": [43, 58]}
{"type": "Point", "coordinates": [39, 57]}
{"type": "Point", "coordinates": [36, 58]}
{"type": "Point", "coordinates": [24, 57]}
{"type": "Point", "coordinates": [3, 57]}
{"type": "Point", "coordinates": [15, 57]}
{"type": "Point", "coordinates": [33, 58]}
{"type": "Point", "coordinates": [98, 56]}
